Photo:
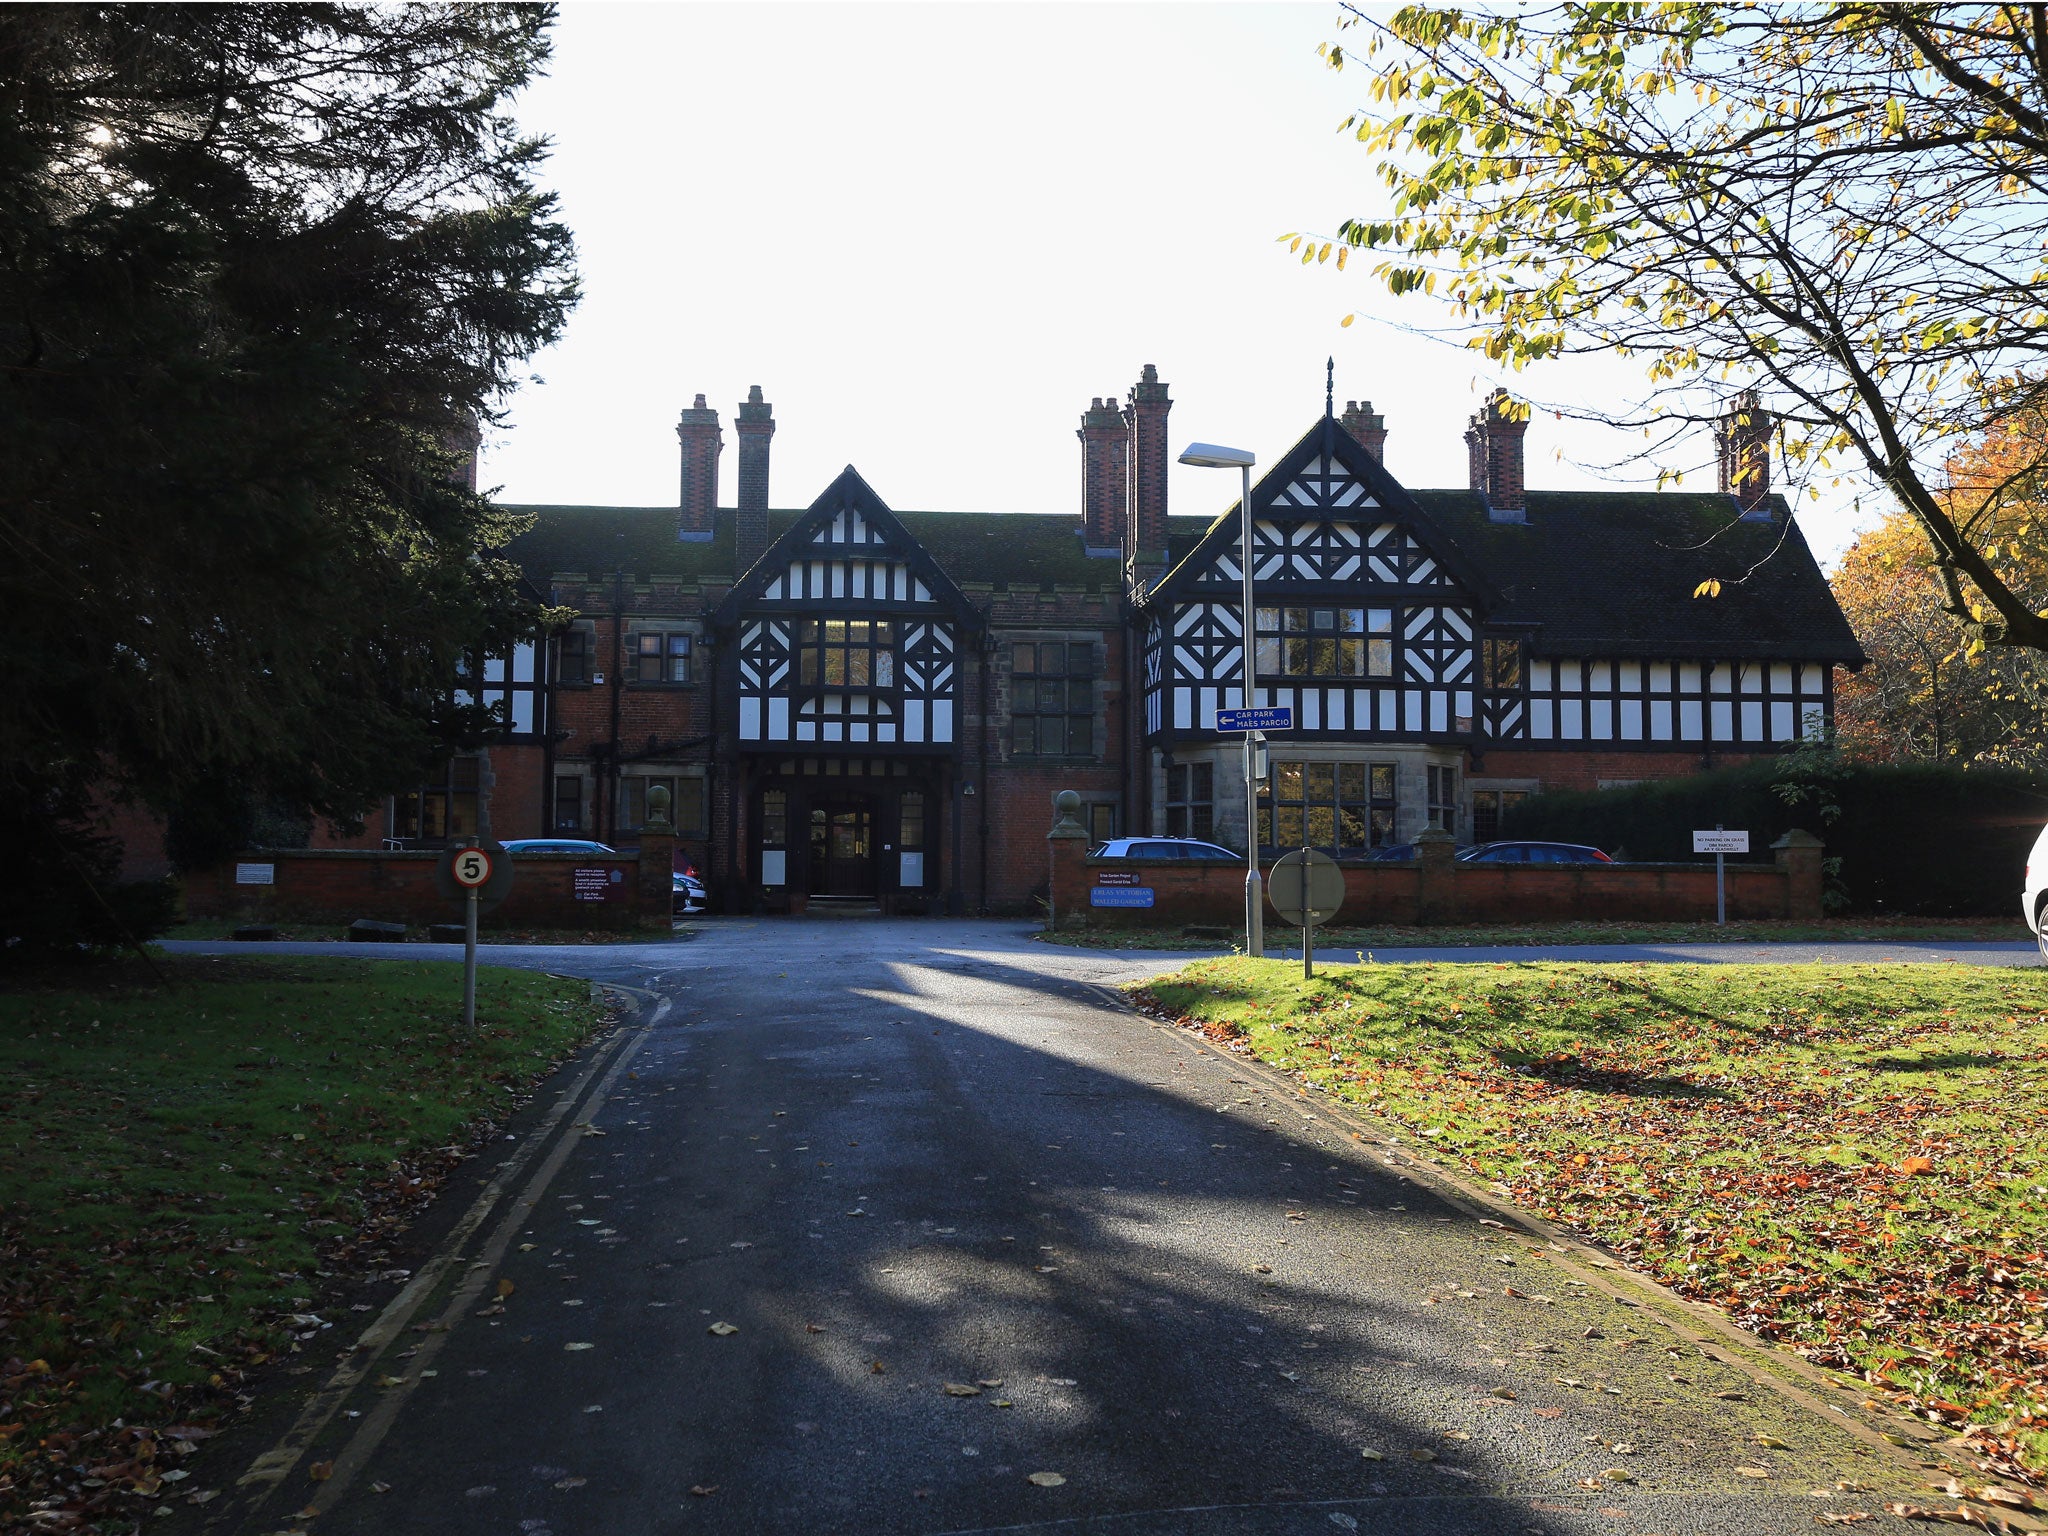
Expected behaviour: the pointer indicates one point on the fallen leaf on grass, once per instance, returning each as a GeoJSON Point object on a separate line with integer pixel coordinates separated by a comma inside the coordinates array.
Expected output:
{"type": "Point", "coordinates": [1754, 1471]}
{"type": "Point", "coordinates": [1914, 1166]}
{"type": "Point", "coordinates": [1772, 1443]}
{"type": "Point", "coordinates": [1732, 1397]}
{"type": "Point", "coordinates": [723, 1330]}
{"type": "Point", "coordinates": [1046, 1479]}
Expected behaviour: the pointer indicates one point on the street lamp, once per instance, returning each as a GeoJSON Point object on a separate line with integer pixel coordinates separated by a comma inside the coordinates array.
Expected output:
{"type": "Point", "coordinates": [1212, 456]}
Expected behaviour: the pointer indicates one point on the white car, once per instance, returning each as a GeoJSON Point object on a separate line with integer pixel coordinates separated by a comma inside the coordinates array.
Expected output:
{"type": "Point", "coordinates": [2031, 899]}
{"type": "Point", "coordinates": [1161, 848]}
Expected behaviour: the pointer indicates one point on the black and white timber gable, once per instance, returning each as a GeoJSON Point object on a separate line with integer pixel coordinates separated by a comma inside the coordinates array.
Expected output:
{"type": "Point", "coordinates": [1375, 625]}
{"type": "Point", "coordinates": [846, 632]}
{"type": "Point", "coordinates": [1367, 619]}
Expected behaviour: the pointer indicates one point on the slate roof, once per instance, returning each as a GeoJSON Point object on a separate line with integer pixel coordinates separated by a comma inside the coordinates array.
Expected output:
{"type": "Point", "coordinates": [1027, 550]}
{"type": "Point", "coordinates": [1613, 573]}
{"type": "Point", "coordinates": [1594, 572]}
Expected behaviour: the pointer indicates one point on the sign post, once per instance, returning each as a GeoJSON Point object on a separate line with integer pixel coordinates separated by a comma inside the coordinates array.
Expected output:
{"type": "Point", "coordinates": [1308, 888]}
{"type": "Point", "coordinates": [1720, 842]}
{"type": "Point", "coordinates": [471, 869]}
{"type": "Point", "coordinates": [1252, 723]}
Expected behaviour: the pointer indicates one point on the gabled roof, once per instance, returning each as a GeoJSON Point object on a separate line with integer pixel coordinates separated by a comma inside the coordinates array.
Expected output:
{"type": "Point", "coordinates": [847, 493]}
{"type": "Point", "coordinates": [1613, 573]}
{"type": "Point", "coordinates": [1392, 504]}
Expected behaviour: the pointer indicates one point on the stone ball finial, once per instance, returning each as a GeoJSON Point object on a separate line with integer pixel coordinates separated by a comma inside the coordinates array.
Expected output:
{"type": "Point", "coordinates": [1067, 802]}
{"type": "Point", "coordinates": [657, 808]}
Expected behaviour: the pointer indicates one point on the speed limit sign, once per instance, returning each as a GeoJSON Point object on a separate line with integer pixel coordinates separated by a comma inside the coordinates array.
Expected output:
{"type": "Point", "coordinates": [471, 868]}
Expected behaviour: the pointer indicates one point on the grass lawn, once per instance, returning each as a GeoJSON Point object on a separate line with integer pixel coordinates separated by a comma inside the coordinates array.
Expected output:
{"type": "Point", "coordinates": [188, 1172]}
{"type": "Point", "coordinates": [1482, 935]}
{"type": "Point", "coordinates": [1850, 1160]}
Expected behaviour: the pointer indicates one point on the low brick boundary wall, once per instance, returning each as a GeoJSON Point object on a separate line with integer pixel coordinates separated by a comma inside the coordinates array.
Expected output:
{"type": "Point", "coordinates": [1436, 889]}
{"type": "Point", "coordinates": [340, 885]}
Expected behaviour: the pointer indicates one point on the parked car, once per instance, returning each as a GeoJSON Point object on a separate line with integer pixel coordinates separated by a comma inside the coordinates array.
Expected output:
{"type": "Point", "coordinates": [1408, 851]}
{"type": "Point", "coordinates": [2031, 899]}
{"type": "Point", "coordinates": [1161, 848]}
{"type": "Point", "coordinates": [690, 894]}
{"type": "Point", "coordinates": [521, 845]}
{"type": "Point", "coordinates": [1534, 853]}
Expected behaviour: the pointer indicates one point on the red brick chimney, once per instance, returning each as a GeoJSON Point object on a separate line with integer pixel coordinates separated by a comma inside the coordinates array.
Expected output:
{"type": "Point", "coordinates": [463, 440]}
{"type": "Point", "coordinates": [1494, 444]}
{"type": "Point", "coordinates": [1105, 445]}
{"type": "Point", "coordinates": [1145, 470]}
{"type": "Point", "coordinates": [1743, 441]}
{"type": "Point", "coordinates": [702, 444]}
{"type": "Point", "coordinates": [755, 425]}
{"type": "Point", "coordinates": [1367, 427]}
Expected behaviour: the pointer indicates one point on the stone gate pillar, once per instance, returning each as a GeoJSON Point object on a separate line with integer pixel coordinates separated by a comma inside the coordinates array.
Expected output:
{"type": "Point", "coordinates": [1067, 844]}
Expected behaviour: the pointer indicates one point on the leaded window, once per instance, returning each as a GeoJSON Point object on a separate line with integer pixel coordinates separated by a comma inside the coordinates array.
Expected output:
{"type": "Point", "coordinates": [1488, 807]}
{"type": "Point", "coordinates": [1191, 800]}
{"type": "Point", "coordinates": [1052, 698]}
{"type": "Point", "coordinates": [1345, 807]}
{"type": "Point", "coordinates": [660, 658]}
{"type": "Point", "coordinates": [1501, 663]}
{"type": "Point", "coordinates": [846, 653]}
{"type": "Point", "coordinates": [1443, 798]}
{"type": "Point", "coordinates": [1325, 642]}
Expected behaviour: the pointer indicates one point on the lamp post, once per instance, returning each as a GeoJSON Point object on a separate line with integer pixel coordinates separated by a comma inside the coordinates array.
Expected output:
{"type": "Point", "coordinates": [1213, 456]}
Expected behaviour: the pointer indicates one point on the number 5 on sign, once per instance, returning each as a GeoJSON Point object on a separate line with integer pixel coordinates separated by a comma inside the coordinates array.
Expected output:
{"type": "Point", "coordinates": [472, 868]}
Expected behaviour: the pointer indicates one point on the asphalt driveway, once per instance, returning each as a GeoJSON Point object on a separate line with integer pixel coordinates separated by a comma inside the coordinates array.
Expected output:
{"type": "Point", "coordinates": [867, 1225]}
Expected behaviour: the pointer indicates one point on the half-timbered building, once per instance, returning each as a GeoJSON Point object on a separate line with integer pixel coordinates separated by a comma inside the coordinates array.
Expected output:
{"type": "Point", "coordinates": [853, 703]}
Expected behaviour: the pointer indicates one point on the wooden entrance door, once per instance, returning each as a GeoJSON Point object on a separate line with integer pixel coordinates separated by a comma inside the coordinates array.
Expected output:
{"type": "Point", "coordinates": [843, 849]}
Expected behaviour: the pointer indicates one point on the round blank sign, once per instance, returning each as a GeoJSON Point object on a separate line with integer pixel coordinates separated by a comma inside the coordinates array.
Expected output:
{"type": "Point", "coordinates": [1306, 887]}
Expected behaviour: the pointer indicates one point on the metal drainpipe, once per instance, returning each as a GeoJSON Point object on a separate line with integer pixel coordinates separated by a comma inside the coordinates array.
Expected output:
{"type": "Point", "coordinates": [987, 647]}
{"type": "Point", "coordinates": [1135, 748]}
{"type": "Point", "coordinates": [730, 769]}
{"type": "Point", "coordinates": [608, 811]}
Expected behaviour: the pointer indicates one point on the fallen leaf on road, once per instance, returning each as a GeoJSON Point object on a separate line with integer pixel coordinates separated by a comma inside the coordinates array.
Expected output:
{"type": "Point", "coordinates": [1422, 1453]}
{"type": "Point", "coordinates": [812, 1328]}
{"type": "Point", "coordinates": [703, 1491]}
{"type": "Point", "coordinates": [390, 1381]}
{"type": "Point", "coordinates": [1549, 1413]}
{"type": "Point", "coordinates": [1619, 1475]}
{"type": "Point", "coordinates": [723, 1330]}
{"type": "Point", "coordinates": [1456, 1434]}
{"type": "Point", "coordinates": [2011, 1498]}
{"type": "Point", "coordinates": [572, 1482]}
{"type": "Point", "coordinates": [1845, 1517]}
{"type": "Point", "coordinates": [1263, 1269]}
{"type": "Point", "coordinates": [876, 1367]}
{"type": "Point", "coordinates": [1046, 1479]}
{"type": "Point", "coordinates": [961, 1389]}
{"type": "Point", "coordinates": [989, 1381]}
{"type": "Point", "coordinates": [1506, 1394]}
{"type": "Point", "coordinates": [1623, 1448]}
{"type": "Point", "coordinates": [505, 1288]}
{"type": "Point", "coordinates": [380, 1487]}
{"type": "Point", "coordinates": [320, 1471]}
{"type": "Point", "coordinates": [1371, 1455]}
{"type": "Point", "coordinates": [579, 1346]}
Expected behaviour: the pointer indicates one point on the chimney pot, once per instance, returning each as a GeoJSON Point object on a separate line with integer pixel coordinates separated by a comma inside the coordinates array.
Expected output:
{"type": "Point", "coordinates": [702, 442]}
{"type": "Point", "coordinates": [1367, 427]}
{"type": "Point", "coordinates": [1145, 467]}
{"type": "Point", "coordinates": [755, 424]}
{"type": "Point", "coordinates": [1742, 440]}
{"type": "Point", "coordinates": [1493, 444]}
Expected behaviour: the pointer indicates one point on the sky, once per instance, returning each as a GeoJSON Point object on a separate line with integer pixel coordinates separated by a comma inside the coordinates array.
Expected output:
{"type": "Point", "coordinates": [932, 233]}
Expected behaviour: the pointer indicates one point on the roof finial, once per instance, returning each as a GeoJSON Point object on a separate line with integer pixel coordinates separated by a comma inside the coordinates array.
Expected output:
{"type": "Point", "coordinates": [1330, 389]}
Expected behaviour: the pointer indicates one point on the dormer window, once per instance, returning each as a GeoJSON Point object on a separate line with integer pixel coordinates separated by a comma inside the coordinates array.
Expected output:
{"type": "Point", "coordinates": [846, 653]}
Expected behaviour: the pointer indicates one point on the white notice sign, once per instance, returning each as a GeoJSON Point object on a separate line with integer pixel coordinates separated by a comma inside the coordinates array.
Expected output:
{"type": "Point", "coordinates": [1718, 841]}
{"type": "Point", "coordinates": [255, 874]}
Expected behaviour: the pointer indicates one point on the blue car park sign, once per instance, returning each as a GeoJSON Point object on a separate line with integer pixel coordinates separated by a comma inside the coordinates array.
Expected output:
{"type": "Point", "coordinates": [1120, 896]}
{"type": "Point", "coordinates": [1272, 719]}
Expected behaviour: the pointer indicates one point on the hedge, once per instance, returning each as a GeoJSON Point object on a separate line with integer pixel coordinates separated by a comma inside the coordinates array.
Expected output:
{"type": "Point", "coordinates": [1910, 838]}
